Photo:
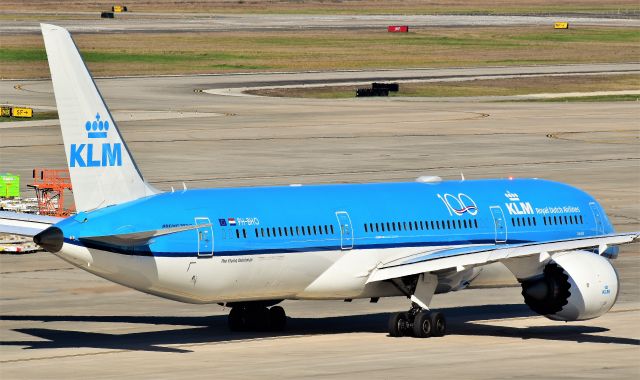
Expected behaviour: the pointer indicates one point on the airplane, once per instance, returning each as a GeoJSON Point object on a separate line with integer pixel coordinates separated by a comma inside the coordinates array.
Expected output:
{"type": "Point", "coordinates": [251, 248]}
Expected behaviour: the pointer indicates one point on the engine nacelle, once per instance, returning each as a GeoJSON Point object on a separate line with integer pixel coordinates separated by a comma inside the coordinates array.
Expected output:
{"type": "Point", "coordinates": [574, 286]}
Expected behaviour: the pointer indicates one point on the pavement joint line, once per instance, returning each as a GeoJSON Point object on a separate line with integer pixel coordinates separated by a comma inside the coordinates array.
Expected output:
{"type": "Point", "coordinates": [38, 270]}
{"type": "Point", "coordinates": [396, 170]}
{"type": "Point", "coordinates": [317, 137]}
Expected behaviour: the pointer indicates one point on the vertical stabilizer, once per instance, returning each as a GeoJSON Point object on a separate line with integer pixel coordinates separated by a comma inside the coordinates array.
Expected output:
{"type": "Point", "coordinates": [102, 170]}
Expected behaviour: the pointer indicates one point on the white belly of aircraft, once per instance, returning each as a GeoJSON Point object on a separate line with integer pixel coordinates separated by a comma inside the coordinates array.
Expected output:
{"type": "Point", "coordinates": [309, 275]}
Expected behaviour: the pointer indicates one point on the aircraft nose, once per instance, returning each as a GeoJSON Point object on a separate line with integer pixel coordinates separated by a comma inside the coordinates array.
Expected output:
{"type": "Point", "coordinates": [50, 239]}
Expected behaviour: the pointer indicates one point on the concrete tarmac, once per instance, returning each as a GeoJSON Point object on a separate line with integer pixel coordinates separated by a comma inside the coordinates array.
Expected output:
{"type": "Point", "coordinates": [60, 322]}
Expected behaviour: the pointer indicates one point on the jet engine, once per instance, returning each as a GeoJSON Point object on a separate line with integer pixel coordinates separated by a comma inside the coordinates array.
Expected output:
{"type": "Point", "coordinates": [574, 286]}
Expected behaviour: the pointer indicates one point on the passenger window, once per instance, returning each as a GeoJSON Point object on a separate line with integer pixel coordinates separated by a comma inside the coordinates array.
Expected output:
{"type": "Point", "coordinates": [534, 221]}
{"type": "Point", "coordinates": [389, 226]}
{"type": "Point", "coordinates": [382, 226]}
{"type": "Point", "coordinates": [581, 221]}
{"type": "Point", "coordinates": [279, 231]}
{"type": "Point", "coordinates": [435, 223]}
{"type": "Point", "coordinates": [291, 230]}
{"type": "Point", "coordinates": [476, 223]}
{"type": "Point", "coordinates": [365, 228]}
{"type": "Point", "coordinates": [256, 230]}
{"type": "Point", "coordinates": [309, 230]}
{"type": "Point", "coordinates": [448, 224]}
{"type": "Point", "coordinates": [286, 233]}
{"type": "Point", "coordinates": [422, 225]}
{"type": "Point", "coordinates": [393, 225]}
{"type": "Point", "coordinates": [565, 220]}
{"type": "Point", "coordinates": [331, 226]}
{"type": "Point", "coordinates": [244, 233]}
{"type": "Point", "coordinates": [302, 229]}
{"type": "Point", "coordinates": [268, 232]}
{"type": "Point", "coordinates": [377, 228]}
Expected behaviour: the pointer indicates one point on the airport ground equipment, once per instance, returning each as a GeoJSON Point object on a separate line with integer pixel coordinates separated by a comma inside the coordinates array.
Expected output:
{"type": "Point", "coordinates": [398, 29]}
{"type": "Point", "coordinates": [249, 248]}
{"type": "Point", "coordinates": [50, 186]}
{"type": "Point", "coordinates": [378, 89]}
{"type": "Point", "coordinates": [9, 185]}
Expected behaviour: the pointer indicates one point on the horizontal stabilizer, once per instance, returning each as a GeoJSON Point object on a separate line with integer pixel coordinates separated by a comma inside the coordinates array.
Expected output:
{"type": "Point", "coordinates": [140, 238]}
{"type": "Point", "coordinates": [16, 223]}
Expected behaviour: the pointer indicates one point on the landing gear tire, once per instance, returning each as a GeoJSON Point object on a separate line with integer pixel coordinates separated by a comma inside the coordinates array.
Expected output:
{"type": "Point", "coordinates": [398, 324]}
{"type": "Point", "coordinates": [237, 319]}
{"type": "Point", "coordinates": [257, 318]}
{"type": "Point", "coordinates": [423, 325]}
{"type": "Point", "coordinates": [438, 324]}
{"type": "Point", "coordinates": [277, 319]}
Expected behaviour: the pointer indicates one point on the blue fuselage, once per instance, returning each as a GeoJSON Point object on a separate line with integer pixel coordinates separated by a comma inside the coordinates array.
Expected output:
{"type": "Point", "coordinates": [294, 219]}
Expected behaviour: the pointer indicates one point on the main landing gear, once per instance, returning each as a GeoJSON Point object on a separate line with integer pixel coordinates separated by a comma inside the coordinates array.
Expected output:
{"type": "Point", "coordinates": [252, 316]}
{"type": "Point", "coordinates": [417, 322]}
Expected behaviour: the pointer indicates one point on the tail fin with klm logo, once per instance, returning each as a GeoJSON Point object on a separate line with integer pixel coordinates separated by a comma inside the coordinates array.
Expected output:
{"type": "Point", "coordinates": [102, 169]}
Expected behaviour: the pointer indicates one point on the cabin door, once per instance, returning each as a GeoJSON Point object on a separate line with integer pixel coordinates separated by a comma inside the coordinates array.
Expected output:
{"type": "Point", "coordinates": [205, 237]}
{"type": "Point", "coordinates": [499, 224]}
{"type": "Point", "coordinates": [596, 215]}
{"type": "Point", "coordinates": [346, 230]}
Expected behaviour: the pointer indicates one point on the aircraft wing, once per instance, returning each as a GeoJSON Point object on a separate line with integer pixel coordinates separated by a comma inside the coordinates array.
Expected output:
{"type": "Point", "coordinates": [16, 223]}
{"type": "Point", "coordinates": [471, 256]}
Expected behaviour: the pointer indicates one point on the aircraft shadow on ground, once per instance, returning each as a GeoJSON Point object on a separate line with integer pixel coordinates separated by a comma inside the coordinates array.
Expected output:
{"type": "Point", "coordinates": [212, 329]}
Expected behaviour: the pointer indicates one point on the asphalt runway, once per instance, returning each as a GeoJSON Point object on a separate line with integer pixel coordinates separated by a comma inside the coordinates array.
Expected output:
{"type": "Point", "coordinates": [132, 22]}
{"type": "Point", "coordinates": [60, 322]}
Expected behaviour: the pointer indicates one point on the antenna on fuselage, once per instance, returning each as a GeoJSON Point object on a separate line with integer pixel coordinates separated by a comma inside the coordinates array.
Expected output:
{"type": "Point", "coordinates": [462, 176]}
{"type": "Point", "coordinates": [184, 187]}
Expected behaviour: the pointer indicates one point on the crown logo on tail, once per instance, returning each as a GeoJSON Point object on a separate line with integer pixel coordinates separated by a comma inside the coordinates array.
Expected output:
{"type": "Point", "coordinates": [97, 129]}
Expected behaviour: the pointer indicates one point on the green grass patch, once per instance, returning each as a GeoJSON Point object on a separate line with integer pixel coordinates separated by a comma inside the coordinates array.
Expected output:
{"type": "Point", "coordinates": [583, 35]}
{"type": "Point", "coordinates": [169, 57]}
{"type": "Point", "coordinates": [485, 87]}
{"type": "Point", "coordinates": [597, 98]}
{"type": "Point", "coordinates": [37, 115]}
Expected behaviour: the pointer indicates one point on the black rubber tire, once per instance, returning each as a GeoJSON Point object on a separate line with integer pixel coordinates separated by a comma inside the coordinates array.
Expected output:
{"type": "Point", "coordinates": [257, 318]}
{"type": "Point", "coordinates": [277, 319]}
{"type": "Point", "coordinates": [237, 319]}
{"type": "Point", "coordinates": [398, 324]}
{"type": "Point", "coordinates": [422, 326]}
{"type": "Point", "coordinates": [438, 324]}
